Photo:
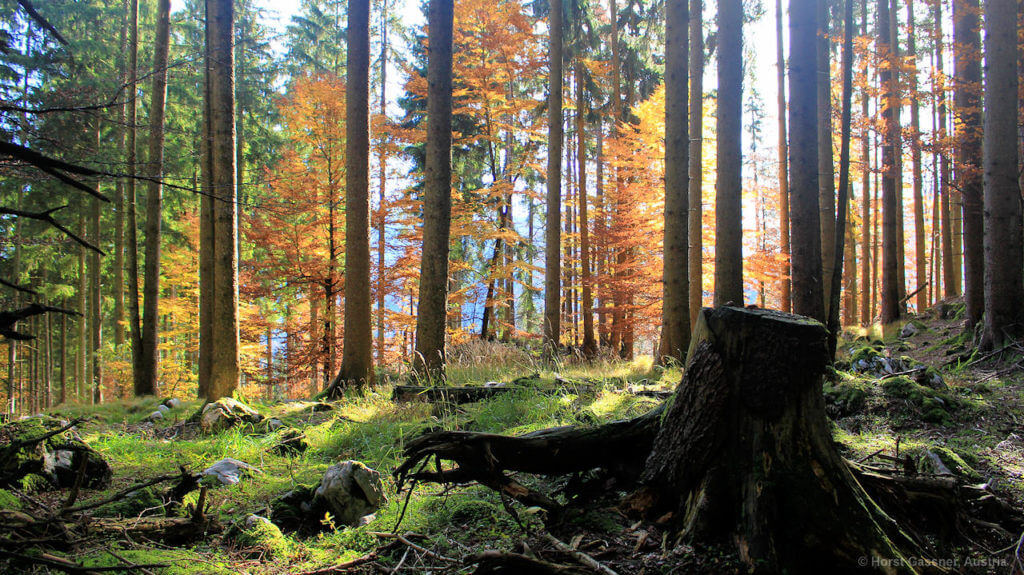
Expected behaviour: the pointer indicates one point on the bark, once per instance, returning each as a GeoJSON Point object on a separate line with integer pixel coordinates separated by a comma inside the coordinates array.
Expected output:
{"type": "Point", "coordinates": [729, 177]}
{"type": "Point", "coordinates": [1004, 236]}
{"type": "Point", "coordinates": [844, 183]}
{"type": "Point", "coordinates": [808, 298]}
{"type": "Point", "coordinates": [552, 234]}
{"type": "Point", "coordinates": [920, 252]}
{"type": "Point", "coordinates": [95, 303]}
{"type": "Point", "coordinates": [146, 381]}
{"type": "Point", "coordinates": [82, 374]}
{"type": "Point", "coordinates": [826, 168]}
{"type": "Point", "coordinates": [695, 258]}
{"type": "Point", "coordinates": [131, 239]}
{"type": "Point", "coordinates": [675, 327]}
{"type": "Point", "coordinates": [967, 107]}
{"type": "Point", "coordinates": [785, 292]}
{"type": "Point", "coordinates": [890, 294]}
{"type": "Point", "coordinates": [206, 240]}
{"type": "Point", "coordinates": [382, 181]}
{"type": "Point", "coordinates": [616, 258]}
{"type": "Point", "coordinates": [224, 368]}
{"type": "Point", "coordinates": [357, 353]}
{"type": "Point", "coordinates": [433, 296]}
{"type": "Point", "coordinates": [865, 158]}
{"type": "Point", "coordinates": [122, 114]}
{"type": "Point", "coordinates": [589, 342]}
{"type": "Point", "coordinates": [948, 272]}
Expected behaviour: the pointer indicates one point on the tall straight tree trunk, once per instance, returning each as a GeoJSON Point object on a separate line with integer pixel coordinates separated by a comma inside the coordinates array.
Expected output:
{"type": "Point", "coordinates": [844, 181]}
{"type": "Point", "coordinates": [785, 293]}
{"type": "Point", "coordinates": [224, 369]}
{"type": "Point", "coordinates": [63, 356]}
{"type": "Point", "coordinates": [119, 219]}
{"type": "Point", "coordinates": [131, 239]}
{"type": "Point", "coordinates": [695, 258]}
{"type": "Point", "coordinates": [967, 106]}
{"type": "Point", "coordinates": [206, 239]}
{"type": "Point", "coordinates": [82, 374]}
{"type": "Point", "coordinates": [146, 380]}
{"type": "Point", "coordinates": [729, 178]}
{"type": "Point", "coordinates": [920, 253]}
{"type": "Point", "coordinates": [616, 257]}
{"type": "Point", "coordinates": [1004, 235]}
{"type": "Point", "coordinates": [948, 271]}
{"type": "Point", "coordinates": [382, 161]}
{"type": "Point", "coordinates": [808, 298]}
{"type": "Point", "coordinates": [552, 234]}
{"type": "Point", "coordinates": [826, 169]}
{"type": "Point", "coordinates": [675, 334]}
{"type": "Point", "coordinates": [601, 233]}
{"type": "Point", "coordinates": [890, 294]}
{"type": "Point", "coordinates": [865, 158]}
{"type": "Point", "coordinates": [96, 301]}
{"type": "Point", "coordinates": [437, 208]}
{"type": "Point", "coordinates": [589, 341]}
{"type": "Point", "coordinates": [897, 67]}
{"type": "Point", "coordinates": [357, 353]}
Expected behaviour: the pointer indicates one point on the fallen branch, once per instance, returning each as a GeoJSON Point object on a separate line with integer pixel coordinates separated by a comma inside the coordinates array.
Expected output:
{"type": "Point", "coordinates": [419, 548]}
{"type": "Point", "coordinates": [119, 494]}
{"type": "Point", "coordinates": [497, 563]}
{"type": "Point", "coordinates": [580, 556]}
{"type": "Point", "coordinates": [9, 318]}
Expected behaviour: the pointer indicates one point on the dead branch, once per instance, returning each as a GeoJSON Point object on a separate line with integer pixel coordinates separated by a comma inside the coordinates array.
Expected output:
{"type": "Point", "coordinates": [580, 556]}
{"type": "Point", "coordinates": [9, 318]}
{"type": "Point", "coordinates": [46, 216]}
{"type": "Point", "coordinates": [35, 15]}
{"type": "Point", "coordinates": [17, 287]}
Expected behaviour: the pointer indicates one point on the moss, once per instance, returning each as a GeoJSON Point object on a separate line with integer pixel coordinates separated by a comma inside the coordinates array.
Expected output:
{"type": "Point", "coordinates": [845, 396]}
{"type": "Point", "coordinates": [598, 520]}
{"type": "Point", "coordinates": [177, 561]}
{"type": "Point", "coordinates": [957, 463]}
{"type": "Point", "coordinates": [139, 502]}
{"type": "Point", "coordinates": [9, 501]}
{"type": "Point", "coordinates": [866, 353]}
{"type": "Point", "coordinates": [933, 405]}
{"type": "Point", "coordinates": [258, 536]}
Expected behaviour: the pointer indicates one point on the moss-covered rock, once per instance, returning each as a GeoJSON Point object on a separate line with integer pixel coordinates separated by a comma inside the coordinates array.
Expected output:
{"type": "Point", "coordinates": [9, 501]}
{"type": "Point", "coordinates": [227, 412]}
{"type": "Point", "coordinates": [845, 396]}
{"type": "Point", "coordinates": [259, 536]}
{"type": "Point", "coordinates": [145, 501]}
{"type": "Point", "coordinates": [934, 405]}
{"type": "Point", "coordinates": [57, 458]}
{"type": "Point", "coordinates": [958, 464]}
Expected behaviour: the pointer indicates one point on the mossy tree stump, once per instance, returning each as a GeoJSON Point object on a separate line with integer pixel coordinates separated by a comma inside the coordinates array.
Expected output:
{"type": "Point", "coordinates": [744, 455]}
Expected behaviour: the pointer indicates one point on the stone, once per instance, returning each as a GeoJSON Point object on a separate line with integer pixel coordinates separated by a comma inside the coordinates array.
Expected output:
{"type": "Point", "coordinates": [163, 408]}
{"type": "Point", "coordinates": [227, 412]}
{"type": "Point", "coordinates": [259, 536]}
{"type": "Point", "coordinates": [274, 424]}
{"type": "Point", "coordinates": [155, 416]}
{"type": "Point", "coordinates": [349, 491]}
{"type": "Point", "coordinates": [66, 463]}
{"type": "Point", "coordinates": [909, 330]}
{"type": "Point", "coordinates": [229, 471]}
{"type": "Point", "coordinates": [172, 402]}
{"type": "Point", "coordinates": [292, 441]}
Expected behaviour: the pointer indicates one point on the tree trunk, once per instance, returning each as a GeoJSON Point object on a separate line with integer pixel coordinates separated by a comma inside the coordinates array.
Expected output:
{"type": "Point", "coordinates": [1004, 236]}
{"type": "Point", "coordinates": [745, 456]}
{"type": "Point", "coordinates": [948, 273]}
{"type": "Point", "coordinates": [357, 352]}
{"type": "Point", "coordinates": [808, 298]}
{"type": "Point", "coordinates": [589, 341]}
{"type": "Point", "coordinates": [729, 178]}
{"type": "Point", "coordinates": [206, 238]}
{"type": "Point", "coordinates": [865, 158]}
{"type": "Point", "coordinates": [96, 302]}
{"type": "Point", "coordinates": [552, 234]}
{"type": "Point", "coordinates": [131, 239]}
{"type": "Point", "coordinates": [224, 368]}
{"type": "Point", "coordinates": [119, 220]}
{"type": "Point", "coordinates": [695, 226]}
{"type": "Point", "coordinates": [382, 161]}
{"type": "Point", "coordinates": [826, 169]}
{"type": "Point", "coordinates": [785, 292]}
{"type": "Point", "coordinates": [920, 252]}
{"type": "Point", "coordinates": [967, 106]}
{"type": "Point", "coordinates": [890, 293]}
{"type": "Point", "coordinates": [844, 184]}
{"type": "Point", "coordinates": [437, 207]}
{"type": "Point", "coordinates": [675, 326]}
{"type": "Point", "coordinates": [146, 381]}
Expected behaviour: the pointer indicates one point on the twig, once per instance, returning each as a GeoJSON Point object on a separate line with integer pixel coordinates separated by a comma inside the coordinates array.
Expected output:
{"type": "Point", "coordinates": [17, 287]}
{"type": "Point", "coordinates": [142, 568]}
{"type": "Point", "coordinates": [580, 556]}
{"type": "Point", "coordinates": [46, 216]}
{"type": "Point", "coordinates": [79, 478]}
{"type": "Point", "coordinates": [198, 514]}
{"type": "Point", "coordinates": [119, 494]}
{"type": "Point", "coordinates": [419, 548]}
{"type": "Point", "coordinates": [341, 567]}
{"type": "Point", "coordinates": [867, 457]}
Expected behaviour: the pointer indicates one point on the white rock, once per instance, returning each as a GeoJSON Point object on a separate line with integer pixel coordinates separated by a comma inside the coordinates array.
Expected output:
{"type": "Point", "coordinates": [350, 491]}
{"type": "Point", "coordinates": [230, 471]}
{"type": "Point", "coordinates": [163, 408]}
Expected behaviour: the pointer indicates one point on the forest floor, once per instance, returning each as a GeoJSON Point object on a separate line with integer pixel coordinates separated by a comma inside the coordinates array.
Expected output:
{"type": "Point", "coordinates": [882, 414]}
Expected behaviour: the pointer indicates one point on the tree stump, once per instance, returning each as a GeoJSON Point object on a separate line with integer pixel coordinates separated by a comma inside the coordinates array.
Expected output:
{"type": "Point", "coordinates": [744, 455]}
